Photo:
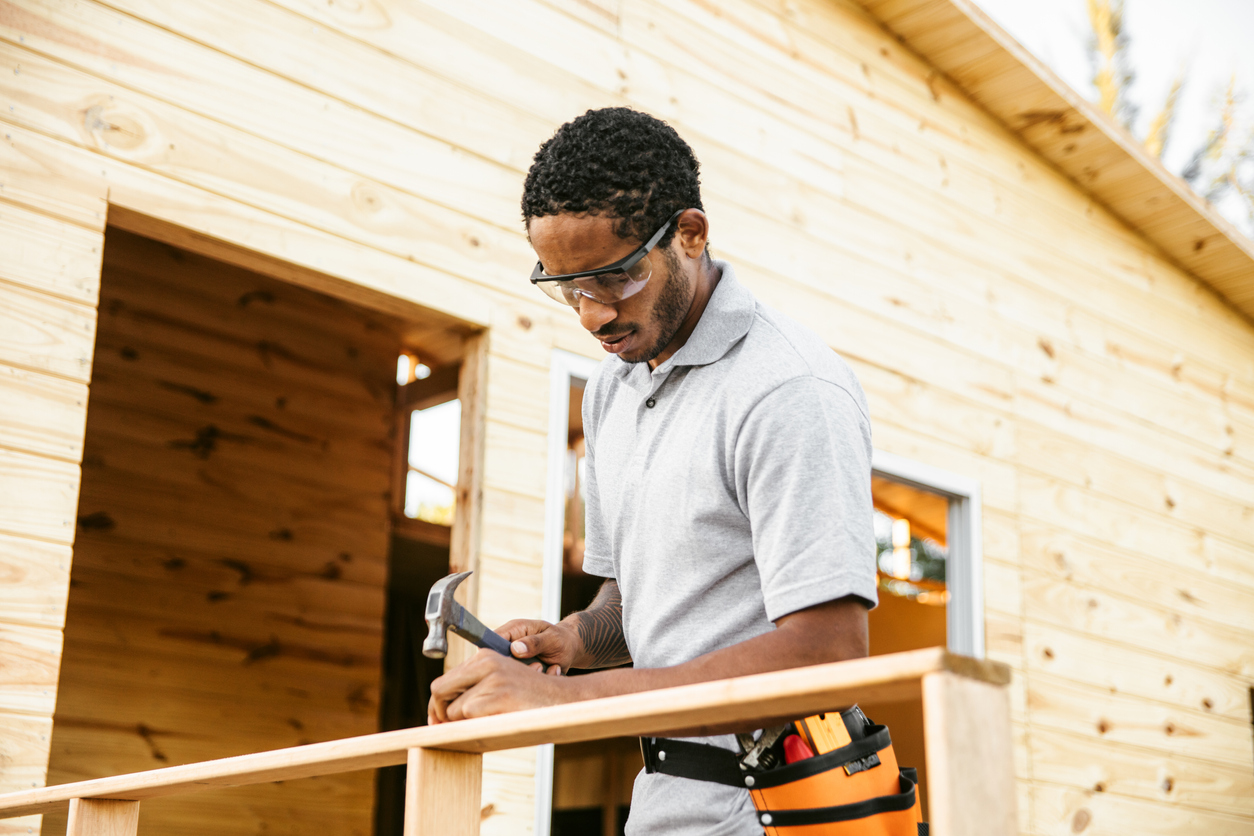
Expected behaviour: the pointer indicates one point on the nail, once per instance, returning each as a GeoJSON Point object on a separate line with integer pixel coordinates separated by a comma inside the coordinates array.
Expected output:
{"type": "Point", "coordinates": [518, 648]}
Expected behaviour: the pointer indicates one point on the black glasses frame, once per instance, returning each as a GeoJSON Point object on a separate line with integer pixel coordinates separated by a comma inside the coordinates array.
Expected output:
{"type": "Point", "coordinates": [620, 266]}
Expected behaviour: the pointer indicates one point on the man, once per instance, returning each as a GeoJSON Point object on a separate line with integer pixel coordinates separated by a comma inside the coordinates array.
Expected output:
{"type": "Point", "coordinates": [728, 463]}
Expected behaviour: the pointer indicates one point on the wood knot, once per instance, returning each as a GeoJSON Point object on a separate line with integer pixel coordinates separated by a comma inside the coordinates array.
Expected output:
{"type": "Point", "coordinates": [524, 322]}
{"type": "Point", "coordinates": [1103, 726]}
{"type": "Point", "coordinates": [1081, 820]}
{"type": "Point", "coordinates": [1047, 653]}
{"type": "Point", "coordinates": [1168, 784]}
{"type": "Point", "coordinates": [98, 521]}
{"type": "Point", "coordinates": [1207, 703]}
{"type": "Point", "coordinates": [1099, 787]}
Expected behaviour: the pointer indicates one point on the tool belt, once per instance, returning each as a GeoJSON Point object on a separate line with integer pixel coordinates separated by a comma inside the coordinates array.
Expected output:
{"type": "Point", "coordinates": [856, 789]}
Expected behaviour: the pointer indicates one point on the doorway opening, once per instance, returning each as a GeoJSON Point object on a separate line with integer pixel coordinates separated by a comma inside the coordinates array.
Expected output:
{"type": "Point", "coordinates": [235, 533]}
{"type": "Point", "coordinates": [927, 570]}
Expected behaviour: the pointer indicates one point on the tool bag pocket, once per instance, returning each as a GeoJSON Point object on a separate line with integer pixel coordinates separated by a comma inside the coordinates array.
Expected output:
{"type": "Point", "coordinates": [855, 790]}
{"type": "Point", "coordinates": [861, 789]}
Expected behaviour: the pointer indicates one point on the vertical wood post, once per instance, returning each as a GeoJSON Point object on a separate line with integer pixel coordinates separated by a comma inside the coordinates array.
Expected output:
{"type": "Point", "coordinates": [970, 760]}
{"type": "Point", "coordinates": [443, 793]}
{"type": "Point", "coordinates": [472, 391]}
{"type": "Point", "coordinates": [102, 817]}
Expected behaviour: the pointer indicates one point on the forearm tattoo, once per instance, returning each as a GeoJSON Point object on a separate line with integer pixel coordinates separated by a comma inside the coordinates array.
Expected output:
{"type": "Point", "coordinates": [600, 628]}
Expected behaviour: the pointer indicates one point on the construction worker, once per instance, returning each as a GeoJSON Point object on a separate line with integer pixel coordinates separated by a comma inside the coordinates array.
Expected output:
{"type": "Point", "coordinates": [728, 463]}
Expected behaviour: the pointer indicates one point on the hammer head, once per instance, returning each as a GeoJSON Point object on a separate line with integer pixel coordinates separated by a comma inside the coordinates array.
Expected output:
{"type": "Point", "coordinates": [441, 613]}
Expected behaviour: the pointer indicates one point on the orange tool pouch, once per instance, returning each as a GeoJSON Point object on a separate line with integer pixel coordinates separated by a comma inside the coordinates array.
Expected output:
{"type": "Point", "coordinates": [854, 790]}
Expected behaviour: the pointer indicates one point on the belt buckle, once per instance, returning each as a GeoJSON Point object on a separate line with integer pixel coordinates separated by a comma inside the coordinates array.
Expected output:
{"type": "Point", "coordinates": [647, 745]}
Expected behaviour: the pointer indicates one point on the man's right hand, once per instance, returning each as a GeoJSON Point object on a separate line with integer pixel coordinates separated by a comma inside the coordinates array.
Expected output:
{"type": "Point", "coordinates": [556, 645]}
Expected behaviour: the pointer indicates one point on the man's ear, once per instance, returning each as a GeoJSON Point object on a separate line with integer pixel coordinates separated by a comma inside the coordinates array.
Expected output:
{"type": "Point", "coordinates": [693, 231]}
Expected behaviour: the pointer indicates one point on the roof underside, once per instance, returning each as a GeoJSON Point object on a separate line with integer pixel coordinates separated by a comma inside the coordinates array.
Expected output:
{"type": "Point", "coordinates": [1009, 82]}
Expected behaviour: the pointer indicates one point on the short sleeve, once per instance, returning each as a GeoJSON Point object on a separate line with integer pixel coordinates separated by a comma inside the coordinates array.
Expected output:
{"type": "Point", "coordinates": [598, 555]}
{"type": "Point", "coordinates": [803, 476]}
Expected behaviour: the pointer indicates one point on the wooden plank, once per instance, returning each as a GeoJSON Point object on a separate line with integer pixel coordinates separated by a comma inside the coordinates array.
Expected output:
{"type": "Point", "coordinates": [238, 234]}
{"type": "Point", "coordinates": [30, 178]}
{"type": "Point", "coordinates": [1072, 461]}
{"type": "Point", "coordinates": [42, 414]}
{"type": "Point", "coordinates": [1082, 562]}
{"type": "Point", "coordinates": [34, 581]}
{"type": "Point", "coordinates": [284, 591]}
{"type": "Point", "coordinates": [24, 741]}
{"type": "Point", "coordinates": [103, 817]}
{"type": "Point", "coordinates": [515, 459]}
{"type": "Point", "coordinates": [1149, 627]}
{"type": "Point", "coordinates": [782, 693]}
{"type": "Point", "coordinates": [467, 529]}
{"type": "Point", "coordinates": [38, 497]}
{"type": "Point", "coordinates": [1121, 669]}
{"type": "Point", "coordinates": [335, 633]}
{"type": "Point", "coordinates": [1128, 528]}
{"type": "Point", "coordinates": [231, 92]}
{"type": "Point", "coordinates": [49, 254]}
{"type": "Point", "coordinates": [222, 475]}
{"type": "Point", "coordinates": [969, 757]}
{"type": "Point", "coordinates": [442, 793]}
{"type": "Point", "coordinates": [1098, 766]}
{"type": "Point", "coordinates": [1063, 811]}
{"type": "Point", "coordinates": [152, 276]}
{"type": "Point", "coordinates": [310, 190]}
{"type": "Point", "coordinates": [30, 658]}
{"type": "Point", "coordinates": [107, 733]}
{"type": "Point", "coordinates": [1101, 716]}
{"type": "Point", "coordinates": [44, 334]}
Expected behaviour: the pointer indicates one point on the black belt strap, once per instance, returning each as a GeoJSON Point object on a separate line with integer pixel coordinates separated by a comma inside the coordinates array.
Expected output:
{"type": "Point", "coordinates": [698, 761]}
{"type": "Point", "coordinates": [703, 762]}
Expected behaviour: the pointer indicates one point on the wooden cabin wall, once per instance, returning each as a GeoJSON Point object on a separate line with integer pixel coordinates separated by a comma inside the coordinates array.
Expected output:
{"type": "Point", "coordinates": [229, 574]}
{"type": "Point", "coordinates": [1004, 326]}
{"type": "Point", "coordinates": [51, 241]}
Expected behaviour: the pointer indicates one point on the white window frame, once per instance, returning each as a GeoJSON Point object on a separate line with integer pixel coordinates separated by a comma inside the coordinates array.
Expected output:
{"type": "Point", "coordinates": [564, 368]}
{"type": "Point", "coordinates": [964, 570]}
{"type": "Point", "coordinates": [964, 577]}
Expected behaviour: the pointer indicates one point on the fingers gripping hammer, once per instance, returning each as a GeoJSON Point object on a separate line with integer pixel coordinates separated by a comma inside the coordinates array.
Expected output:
{"type": "Point", "coordinates": [444, 614]}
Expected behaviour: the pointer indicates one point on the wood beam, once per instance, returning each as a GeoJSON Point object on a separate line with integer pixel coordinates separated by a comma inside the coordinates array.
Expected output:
{"type": "Point", "coordinates": [442, 793]}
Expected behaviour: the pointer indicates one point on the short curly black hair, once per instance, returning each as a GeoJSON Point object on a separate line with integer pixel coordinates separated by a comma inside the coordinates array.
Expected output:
{"type": "Point", "coordinates": [615, 162]}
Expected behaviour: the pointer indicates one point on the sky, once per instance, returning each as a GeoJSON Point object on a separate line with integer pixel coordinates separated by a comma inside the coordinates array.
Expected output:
{"type": "Point", "coordinates": [1216, 38]}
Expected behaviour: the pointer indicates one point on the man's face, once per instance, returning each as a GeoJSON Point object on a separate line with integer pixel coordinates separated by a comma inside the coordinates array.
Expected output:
{"type": "Point", "coordinates": [638, 328]}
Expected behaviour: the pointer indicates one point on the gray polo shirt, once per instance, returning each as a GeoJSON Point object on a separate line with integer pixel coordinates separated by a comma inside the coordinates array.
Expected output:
{"type": "Point", "coordinates": [726, 488]}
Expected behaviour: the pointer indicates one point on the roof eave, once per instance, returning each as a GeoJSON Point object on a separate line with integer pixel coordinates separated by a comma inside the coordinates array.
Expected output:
{"type": "Point", "coordinates": [1000, 75]}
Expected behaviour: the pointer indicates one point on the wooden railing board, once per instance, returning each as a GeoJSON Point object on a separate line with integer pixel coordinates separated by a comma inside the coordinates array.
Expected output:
{"type": "Point", "coordinates": [747, 699]}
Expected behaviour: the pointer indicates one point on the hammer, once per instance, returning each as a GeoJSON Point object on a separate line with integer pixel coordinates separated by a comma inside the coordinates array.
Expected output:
{"type": "Point", "coordinates": [444, 614]}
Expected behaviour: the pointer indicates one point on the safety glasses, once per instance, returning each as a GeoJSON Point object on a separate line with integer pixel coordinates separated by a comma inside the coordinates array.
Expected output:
{"type": "Point", "coordinates": [606, 285]}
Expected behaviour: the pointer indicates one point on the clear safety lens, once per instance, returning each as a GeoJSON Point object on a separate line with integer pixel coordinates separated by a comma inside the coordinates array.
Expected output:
{"type": "Point", "coordinates": [607, 289]}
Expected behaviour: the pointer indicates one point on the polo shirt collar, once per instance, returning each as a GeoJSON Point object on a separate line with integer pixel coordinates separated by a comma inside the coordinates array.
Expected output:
{"type": "Point", "coordinates": [724, 322]}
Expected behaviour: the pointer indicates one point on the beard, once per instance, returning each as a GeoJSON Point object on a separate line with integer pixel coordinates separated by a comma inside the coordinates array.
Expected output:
{"type": "Point", "coordinates": [669, 309]}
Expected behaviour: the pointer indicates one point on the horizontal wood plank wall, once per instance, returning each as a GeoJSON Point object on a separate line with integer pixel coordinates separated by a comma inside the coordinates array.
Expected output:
{"type": "Point", "coordinates": [228, 578]}
{"type": "Point", "coordinates": [50, 252]}
{"type": "Point", "coordinates": [1004, 326]}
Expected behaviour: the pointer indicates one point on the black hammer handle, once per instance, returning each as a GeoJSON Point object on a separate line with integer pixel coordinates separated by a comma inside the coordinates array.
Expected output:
{"type": "Point", "coordinates": [472, 630]}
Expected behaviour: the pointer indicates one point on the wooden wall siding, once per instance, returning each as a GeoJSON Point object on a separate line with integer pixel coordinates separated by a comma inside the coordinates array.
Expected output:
{"type": "Point", "coordinates": [1004, 325]}
{"type": "Point", "coordinates": [50, 251]}
{"type": "Point", "coordinates": [228, 579]}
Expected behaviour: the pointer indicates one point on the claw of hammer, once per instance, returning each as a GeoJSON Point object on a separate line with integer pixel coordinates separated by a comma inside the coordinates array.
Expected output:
{"type": "Point", "coordinates": [444, 614]}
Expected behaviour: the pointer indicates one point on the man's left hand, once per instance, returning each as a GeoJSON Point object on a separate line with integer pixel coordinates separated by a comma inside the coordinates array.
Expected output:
{"type": "Point", "coordinates": [489, 683]}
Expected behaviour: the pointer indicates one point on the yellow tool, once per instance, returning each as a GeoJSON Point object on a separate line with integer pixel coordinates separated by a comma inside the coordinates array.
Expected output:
{"type": "Point", "coordinates": [824, 732]}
